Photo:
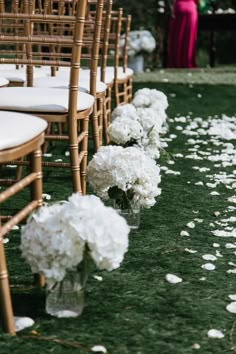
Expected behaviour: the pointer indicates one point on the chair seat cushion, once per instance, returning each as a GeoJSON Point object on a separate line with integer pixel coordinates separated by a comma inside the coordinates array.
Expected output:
{"type": "Point", "coordinates": [3, 82]}
{"type": "Point", "coordinates": [128, 71]}
{"type": "Point", "coordinates": [18, 128]}
{"type": "Point", "coordinates": [61, 80]}
{"type": "Point", "coordinates": [34, 99]}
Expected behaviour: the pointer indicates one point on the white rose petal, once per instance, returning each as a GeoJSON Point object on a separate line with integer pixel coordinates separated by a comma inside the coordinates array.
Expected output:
{"type": "Point", "coordinates": [208, 266]}
{"type": "Point", "coordinates": [231, 307]}
{"type": "Point", "coordinates": [232, 297]}
{"type": "Point", "coordinates": [99, 349]}
{"type": "Point", "coordinates": [209, 257]}
{"type": "Point", "coordinates": [173, 279]}
{"type": "Point", "coordinates": [191, 225]}
{"type": "Point", "coordinates": [184, 233]}
{"type": "Point", "coordinates": [189, 250]}
{"type": "Point", "coordinates": [22, 322]}
{"type": "Point", "coordinates": [97, 277]}
{"type": "Point", "coordinates": [215, 333]}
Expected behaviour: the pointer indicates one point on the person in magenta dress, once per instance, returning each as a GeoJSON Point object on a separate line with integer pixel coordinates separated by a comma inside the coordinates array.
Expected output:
{"type": "Point", "coordinates": [182, 34]}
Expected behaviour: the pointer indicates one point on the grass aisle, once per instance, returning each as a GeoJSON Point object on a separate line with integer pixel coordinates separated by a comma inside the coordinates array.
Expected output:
{"type": "Point", "coordinates": [134, 310]}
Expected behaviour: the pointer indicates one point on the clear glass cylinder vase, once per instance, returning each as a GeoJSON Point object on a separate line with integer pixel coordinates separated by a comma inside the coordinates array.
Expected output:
{"type": "Point", "coordinates": [136, 63]}
{"type": "Point", "coordinates": [66, 298]}
{"type": "Point", "coordinates": [131, 215]}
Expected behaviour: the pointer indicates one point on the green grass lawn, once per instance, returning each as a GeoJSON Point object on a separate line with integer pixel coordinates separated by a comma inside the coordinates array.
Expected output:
{"type": "Point", "coordinates": [134, 310]}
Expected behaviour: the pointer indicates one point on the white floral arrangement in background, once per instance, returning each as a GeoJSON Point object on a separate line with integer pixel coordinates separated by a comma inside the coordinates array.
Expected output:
{"type": "Point", "coordinates": [141, 122]}
{"type": "Point", "coordinates": [55, 237]}
{"type": "Point", "coordinates": [139, 42]}
{"type": "Point", "coordinates": [127, 175]}
{"type": "Point", "coordinates": [150, 98]}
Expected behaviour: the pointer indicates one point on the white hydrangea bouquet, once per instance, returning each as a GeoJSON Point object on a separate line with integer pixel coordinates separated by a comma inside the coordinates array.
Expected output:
{"type": "Point", "coordinates": [65, 237]}
{"type": "Point", "coordinates": [141, 122]}
{"type": "Point", "coordinates": [139, 42]}
{"type": "Point", "coordinates": [126, 175]}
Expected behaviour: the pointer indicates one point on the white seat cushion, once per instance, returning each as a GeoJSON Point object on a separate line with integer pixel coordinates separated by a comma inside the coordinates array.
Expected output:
{"type": "Point", "coordinates": [121, 75]}
{"type": "Point", "coordinates": [33, 99]}
{"type": "Point", "coordinates": [13, 75]}
{"type": "Point", "coordinates": [19, 128]}
{"type": "Point", "coordinates": [3, 82]}
{"type": "Point", "coordinates": [61, 82]}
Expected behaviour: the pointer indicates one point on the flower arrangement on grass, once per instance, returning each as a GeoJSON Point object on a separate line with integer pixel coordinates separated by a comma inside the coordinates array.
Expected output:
{"type": "Point", "coordinates": [57, 237]}
{"type": "Point", "coordinates": [126, 175]}
{"type": "Point", "coordinates": [141, 125]}
{"type": "Point", "coordinates": [139, 42]}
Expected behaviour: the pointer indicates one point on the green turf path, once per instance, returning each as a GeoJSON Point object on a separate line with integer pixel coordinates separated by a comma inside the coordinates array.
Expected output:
{"type": "Point", "coordinates": [134, 310]}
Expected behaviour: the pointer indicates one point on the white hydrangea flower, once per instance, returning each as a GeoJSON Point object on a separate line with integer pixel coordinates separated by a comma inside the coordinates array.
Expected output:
{"type": "Point", "coordinates": [51, 245]}
{"type": "Point", "coordinates": [129, 169]}
{"type": "Point", "coordinates": [127, 110]}
{"type": "Point", "coordinates": [101, 228]}
{"type": "Point", "coordinates": [148, 118]}
{"type": "Point", "coordinates": [138, 42]}
{"type": "Point", "coordinates": [123, 130]}
{"type": "Point", "coordinates": [53, 240]}
{"type": "Point", "coordinates": [150, 98]}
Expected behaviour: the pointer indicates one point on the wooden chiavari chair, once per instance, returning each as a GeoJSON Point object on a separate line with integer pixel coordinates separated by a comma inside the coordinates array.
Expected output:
{"type": "Point", "coordinates": [16, 142]}
{"type": "Point", "coordinates": [64, 106]}
{"type": "Point", "coordinates": [88, 81]}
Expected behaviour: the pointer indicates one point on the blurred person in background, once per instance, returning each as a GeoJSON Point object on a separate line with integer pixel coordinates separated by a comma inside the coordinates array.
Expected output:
{"type": "Point", "coordinates": [182, 34]}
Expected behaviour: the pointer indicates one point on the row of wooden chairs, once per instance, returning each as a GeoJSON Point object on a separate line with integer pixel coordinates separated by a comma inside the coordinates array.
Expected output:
{"type": "Point", "coordinates": [52, 35]}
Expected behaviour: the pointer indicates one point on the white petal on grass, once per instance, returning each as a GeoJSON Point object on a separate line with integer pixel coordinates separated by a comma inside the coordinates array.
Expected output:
{"type": "Point", "coordinates": [209, 257]}
{"type": "Point", "coordinates": [184, 233]}
{"type": "Point", "coordinates": [218, 254]}
{"type": "Point", "coordinates": [47, 155]}
{"type": "Point", "coordinates": [196, 346]}
{"type": "Point", "coordinates": [231, 307]}
{"type": "Point", "coordinates": [5, 240]}
{"type": "Point", "coordinates": [189, 250]}
{"type": "Point", "coordinates": [22, 322]}
{"type": "Point", "coordinates": [67, 153]}
{"type": "Point", "coordinates": [99, 349]}
{"type": "Point", "coordinates": [200, 183]}
{"type": "Point", "coordinates": [195, 211]}
{"type": "Point", "coordinates": [215, 333]}
{"type": "Point", "coordinates": [232, 297]}
{"type": "Point", "coordinates": [216, 213]}
{"type": "Point", "coordinates": [231, 271]}
{"type": "Point", "coordinates": [215, 193]}
{"type": "Point", "coordinates": [173, 279]}
{"type": "Point", "coordinates": [203, 278]}
{"type": "Point", "coordinates": [223, 233]}
{"type": "Point", "coordinates": [171, 172]}
{"type": "Point", "coordinates": [230, 245]}
{"type": "Point", "coordinates": [216, 244]}
{"type": "Point", "coordinates": [58, 160]}
{"type": "Point", "coordinates": [208, 266]}
{"type": "Point", "coordinates": [191, 225]}
{"type": "Point", "coordinates": [98, 277]}
{"type": "Point", "coordinates": [232, 199]}
{"type": "Point", "coordinates": [232, 264]}
{"type": "Point", "coordinates": [198, 220]}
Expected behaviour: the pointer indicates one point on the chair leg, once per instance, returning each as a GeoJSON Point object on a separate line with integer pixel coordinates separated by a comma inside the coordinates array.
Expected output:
{"type": "Point", "coordinates": [74, 156]}
{"type": "Point", "coordinates": [36, 194]}
{"type": "Point", "coordinates": [5, 297]}
{"type": "Point", "coordinates": [100, 119]}
{"type": "Point", "coordinates": [95, 129]}
{"type": "Point", "coordinates": [84, 148]}
{"type": "Point", "coordinates": [107, 114]}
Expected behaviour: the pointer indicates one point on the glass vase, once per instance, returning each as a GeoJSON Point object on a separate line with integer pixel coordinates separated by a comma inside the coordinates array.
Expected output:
{"type": "Point", "coordinates": [136, 63]}
{"type": "Point", "coordinates": [131, 215]}
{"type": "Point", "coordinates": [66, 298]}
